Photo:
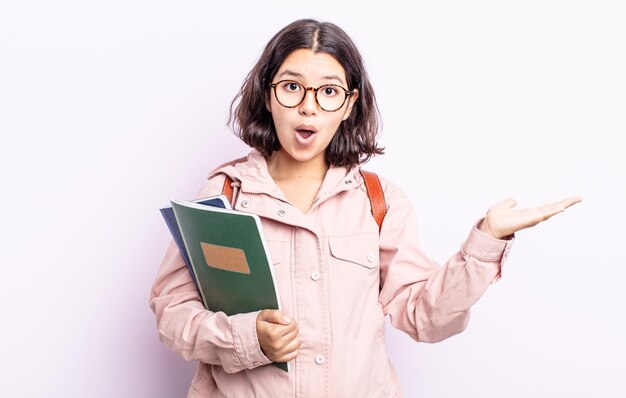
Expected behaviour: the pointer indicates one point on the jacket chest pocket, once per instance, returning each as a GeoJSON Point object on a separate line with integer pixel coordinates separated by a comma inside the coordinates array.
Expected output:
{"type": "Point", "coordinates": [358, 250]}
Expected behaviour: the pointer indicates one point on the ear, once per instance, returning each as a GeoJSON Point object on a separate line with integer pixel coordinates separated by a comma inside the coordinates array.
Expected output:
{"type": "Point", "coordinates": [351, 101]}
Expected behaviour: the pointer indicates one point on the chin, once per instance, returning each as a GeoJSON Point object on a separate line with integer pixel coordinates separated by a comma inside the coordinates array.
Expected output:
{"type": "Point", "coordinates": [305, 157]}
{"type": "Point", "coordinates": [299, 155]}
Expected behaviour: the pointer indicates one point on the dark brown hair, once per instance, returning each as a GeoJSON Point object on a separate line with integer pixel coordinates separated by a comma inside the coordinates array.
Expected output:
{"type": "Point", "coordinates": [355, 140]}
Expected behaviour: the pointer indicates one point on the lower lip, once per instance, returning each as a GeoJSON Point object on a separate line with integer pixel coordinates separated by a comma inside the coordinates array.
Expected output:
{"type": "Point", "coordinates": [303, 139]}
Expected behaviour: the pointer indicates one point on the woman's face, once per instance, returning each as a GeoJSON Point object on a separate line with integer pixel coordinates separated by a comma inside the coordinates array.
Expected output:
{"type": "Point", "coordinates": [305, 131]}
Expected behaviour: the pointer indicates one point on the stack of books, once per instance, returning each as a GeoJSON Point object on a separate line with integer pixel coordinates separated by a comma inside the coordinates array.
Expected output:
{"type": "Point", "coordinates": [227, 255]}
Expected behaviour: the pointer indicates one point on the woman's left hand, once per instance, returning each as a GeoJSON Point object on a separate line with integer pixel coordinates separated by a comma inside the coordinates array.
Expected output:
{"type": "Point", "coordinates": [503, 220]}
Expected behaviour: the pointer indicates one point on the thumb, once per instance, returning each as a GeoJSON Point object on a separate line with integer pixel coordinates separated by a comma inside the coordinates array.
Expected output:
{"type": "Point", "coordinates": [274, 316]}
{"type": "Point", "coordinates": [510, 203]}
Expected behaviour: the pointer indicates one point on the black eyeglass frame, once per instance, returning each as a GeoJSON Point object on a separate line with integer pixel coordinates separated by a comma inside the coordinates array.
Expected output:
{"type": "Point", "coordinates": [315, 90]}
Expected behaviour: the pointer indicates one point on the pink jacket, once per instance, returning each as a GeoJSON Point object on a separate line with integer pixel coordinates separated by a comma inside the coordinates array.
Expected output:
{"type": "Point", "coordinates": [338, 277]}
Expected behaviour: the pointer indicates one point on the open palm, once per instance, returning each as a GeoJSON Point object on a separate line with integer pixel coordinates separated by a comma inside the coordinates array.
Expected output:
{"type": "Point", "coordinates": [503, 220]}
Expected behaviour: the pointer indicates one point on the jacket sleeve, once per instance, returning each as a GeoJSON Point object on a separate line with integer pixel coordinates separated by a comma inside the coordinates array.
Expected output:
{"type": "Point", "coordinates": [427, 301]}
{"type": "Point", "coordinates": [190, 330]}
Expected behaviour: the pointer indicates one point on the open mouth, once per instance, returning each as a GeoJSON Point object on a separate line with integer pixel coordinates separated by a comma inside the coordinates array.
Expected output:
{"type": "Point", "coordinates": [305, 133]}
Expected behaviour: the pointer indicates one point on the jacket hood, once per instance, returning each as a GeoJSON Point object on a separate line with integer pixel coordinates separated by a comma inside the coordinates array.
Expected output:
{"type": "Point", "coordinates": [252, 176]}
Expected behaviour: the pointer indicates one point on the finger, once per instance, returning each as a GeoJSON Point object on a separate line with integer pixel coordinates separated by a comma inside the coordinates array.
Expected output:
{"type": "Point", "coordinates": [284, 330]}
{"type": "Point", "coordinates": [541, 213]}
{"type": "Point", "coordinates": [290, 345]}
{"type": "Point", "coordinates": [562, 204]}
{"type": "Point", "coordinates": [289, 333]}
{"type": "Point", "coordinates": [281, 335]}
{"type": "Point", "coordinates": [571, 201]}
{"type": "Point", "coordinates": [275, 316]}
{"type": "Point", "coordinates": [289, 352]}
{"type": "Point", "coordinates": [544, 212]}
{"type": "Point", "coordinates": [288, 357]}
{"type": "Point", "coordinates": [279, 341]}
{"type": "Point", "coordinates": [281, 347]}
{"type": "Point", "coordinates": [293, 345]}
{"type": "Point", "coordinates": [551, 209]}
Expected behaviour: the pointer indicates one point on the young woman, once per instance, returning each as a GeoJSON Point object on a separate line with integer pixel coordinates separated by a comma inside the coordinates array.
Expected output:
{"type": "Point", "coordinates": [309, 112]}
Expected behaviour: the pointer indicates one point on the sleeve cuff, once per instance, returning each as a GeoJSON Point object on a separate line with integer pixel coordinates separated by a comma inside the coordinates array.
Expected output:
{"type": "Point", "coordinates": [246, 342]}
{"type": "Point", "coordinates": [485, 247]}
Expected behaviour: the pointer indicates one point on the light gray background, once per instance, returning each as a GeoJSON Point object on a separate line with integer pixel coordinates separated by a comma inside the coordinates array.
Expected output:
{"type": "Point", "coordinates": [109, 109]}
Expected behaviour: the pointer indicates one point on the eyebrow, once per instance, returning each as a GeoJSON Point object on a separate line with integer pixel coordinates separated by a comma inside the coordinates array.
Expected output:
{"type": "Point", "coordinates": [296, 74]}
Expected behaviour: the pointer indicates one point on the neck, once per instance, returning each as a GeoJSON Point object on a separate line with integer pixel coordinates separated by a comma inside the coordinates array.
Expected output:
{"type": "Point", "coordinates": [284, 167]}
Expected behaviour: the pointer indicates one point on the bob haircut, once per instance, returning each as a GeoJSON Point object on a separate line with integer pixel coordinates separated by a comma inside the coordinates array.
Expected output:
{"type": "Point", "coordinates": [355, 140]}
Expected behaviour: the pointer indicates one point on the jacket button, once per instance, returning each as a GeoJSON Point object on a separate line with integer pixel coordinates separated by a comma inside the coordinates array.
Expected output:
{"type": "Point", "coordinates": [281, 213]}
{"type": "Point", "coordinates": [370, 257]}
{"type": "Point", "coordinates": [244, 203]}
{"type": "Point", "coordinates": [319, 359]}
{"type": "Point", "coordinates": [315, 276]}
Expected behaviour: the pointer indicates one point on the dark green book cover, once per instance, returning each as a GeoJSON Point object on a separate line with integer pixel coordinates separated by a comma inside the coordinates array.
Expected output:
{"type": "Point", "coordinates": [229, 257]}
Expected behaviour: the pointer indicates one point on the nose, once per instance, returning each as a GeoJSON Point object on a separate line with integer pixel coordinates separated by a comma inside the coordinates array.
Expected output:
{"type": "Point", "coordinates": [308, 106]}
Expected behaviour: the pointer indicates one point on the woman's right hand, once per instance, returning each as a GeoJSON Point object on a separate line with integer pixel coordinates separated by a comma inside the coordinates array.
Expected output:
{"type": "Point", "coordinates": [278, 335]}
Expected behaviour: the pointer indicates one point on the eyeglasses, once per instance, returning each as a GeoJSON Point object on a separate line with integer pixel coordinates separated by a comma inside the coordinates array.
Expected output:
{"type": "Point", "coordinates": [329, 97]}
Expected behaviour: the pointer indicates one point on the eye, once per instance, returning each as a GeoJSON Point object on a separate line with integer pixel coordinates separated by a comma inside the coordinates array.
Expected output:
{"type": "Point", "coordinates": [329, 91]}
{"type": "Point", "coordinates": [291, 86]}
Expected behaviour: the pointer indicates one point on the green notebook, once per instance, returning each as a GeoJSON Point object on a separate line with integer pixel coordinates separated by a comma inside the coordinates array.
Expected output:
{"type": "Point", "coordinates": [229, 258]}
